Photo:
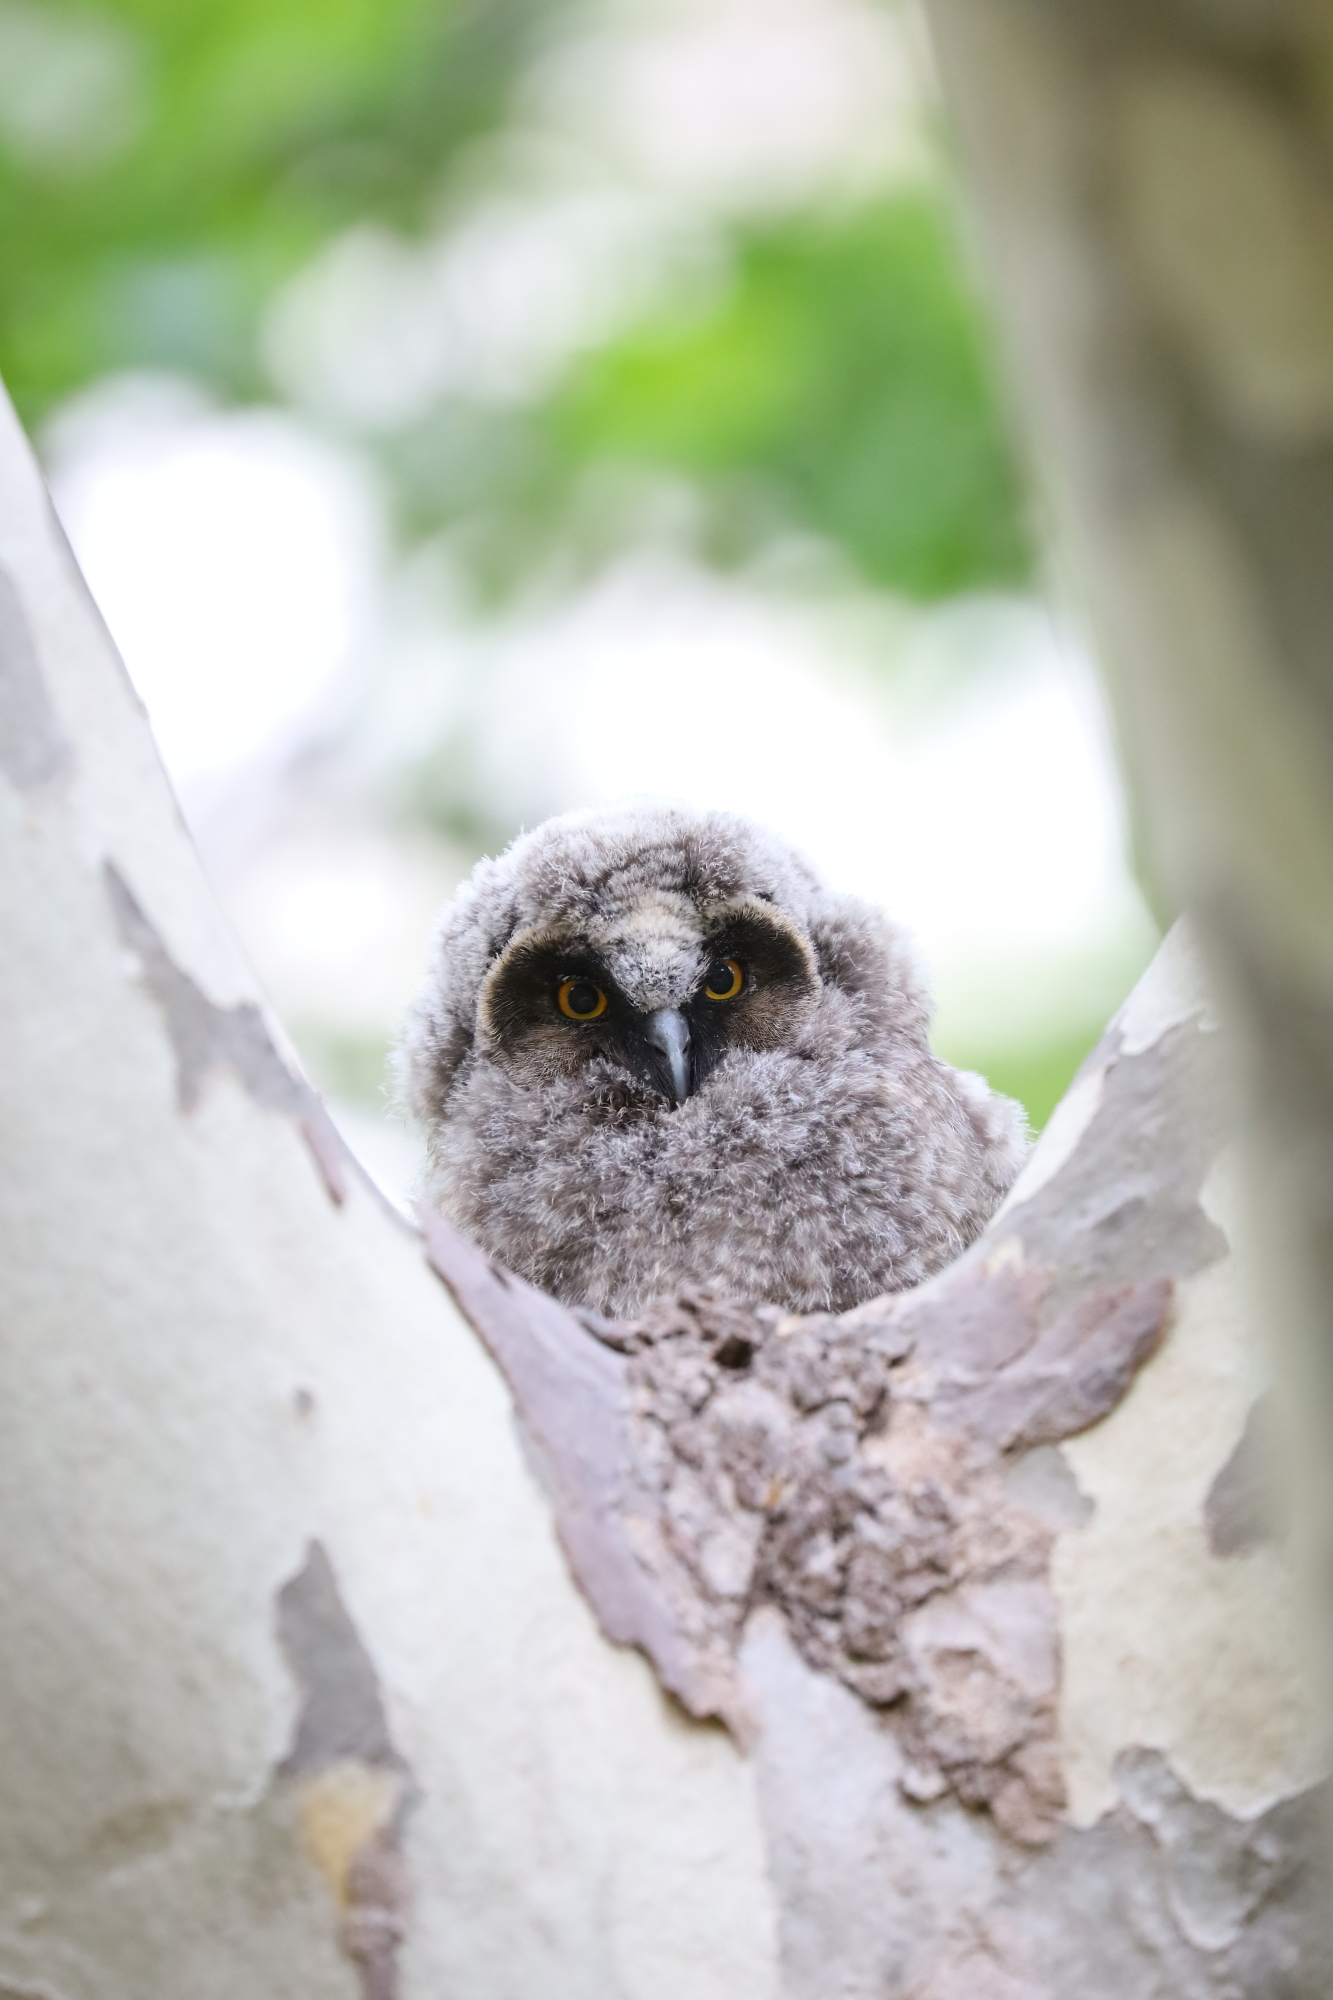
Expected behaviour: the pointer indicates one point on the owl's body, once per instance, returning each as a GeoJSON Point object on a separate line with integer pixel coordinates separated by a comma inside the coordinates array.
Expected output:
{"type": "Point", "coordinates": [653, 1052]}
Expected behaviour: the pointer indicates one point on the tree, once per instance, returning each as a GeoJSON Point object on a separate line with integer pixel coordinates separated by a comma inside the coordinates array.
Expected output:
{"type": "Point", "coordinates": [1155, 192]}
{"type": "Point", "coordinates": [323, 1677]}
{"type": "Point", "coordinates": [301, 1696]}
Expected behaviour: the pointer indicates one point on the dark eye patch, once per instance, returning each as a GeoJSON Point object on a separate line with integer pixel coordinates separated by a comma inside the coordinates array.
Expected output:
{"type": "Point", "coordinates": [769, 952]}
{"type": "Point", "coordinates": [524, 990]}
{"type": "Point", "coordinates": [777, 977]}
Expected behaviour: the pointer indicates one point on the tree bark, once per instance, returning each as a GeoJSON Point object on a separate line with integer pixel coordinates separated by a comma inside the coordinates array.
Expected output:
{"type": "Point", "coordinates": [298, 1695]}
{"type": "Point", "coordinates": [944, 1649]}
{"type": "Point", "coordinates": [1153, 186]}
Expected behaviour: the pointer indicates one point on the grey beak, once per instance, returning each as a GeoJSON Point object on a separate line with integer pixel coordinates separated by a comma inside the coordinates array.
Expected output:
{"type": "Point", "coordinates": [668, 1032]}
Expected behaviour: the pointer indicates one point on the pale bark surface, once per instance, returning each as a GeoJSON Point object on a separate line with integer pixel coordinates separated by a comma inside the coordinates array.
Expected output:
{"type": "Point", "coordinates": [1153, 184]}
{"type": "Point", "coordinates": [300, 1692]}
{"type": "Point", "coordinates": [297, 1694]}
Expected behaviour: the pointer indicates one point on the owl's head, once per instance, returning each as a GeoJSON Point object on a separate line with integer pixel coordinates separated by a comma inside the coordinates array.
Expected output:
{"type": "Point", "coordinates": [650, 940]}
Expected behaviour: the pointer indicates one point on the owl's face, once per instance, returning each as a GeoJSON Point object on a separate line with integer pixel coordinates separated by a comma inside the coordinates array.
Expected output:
{"type": "Point", "coordinates": [664, 993]}
{"type": "Point", "coordinates": [653, 1050]}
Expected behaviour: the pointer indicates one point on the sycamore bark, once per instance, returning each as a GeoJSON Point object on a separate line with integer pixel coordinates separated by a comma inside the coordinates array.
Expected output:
{"type": "Point", "coordinates": [1153, 191]}
{"type": "Point", "coordinates": [340, 1603]}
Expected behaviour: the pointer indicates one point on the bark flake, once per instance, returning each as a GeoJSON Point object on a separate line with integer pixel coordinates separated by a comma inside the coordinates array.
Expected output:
{"type": "Point", "coordinates": [205, 1037]}
{"type": "Point", "coordinates": [33, 747]}
{"type": "Point", "coordinates": [353, 1788]}
{"type": "Point", "coordinates": [1244, 1505]}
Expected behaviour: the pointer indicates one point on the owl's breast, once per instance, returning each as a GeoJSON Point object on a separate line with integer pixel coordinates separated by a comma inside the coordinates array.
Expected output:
{"type": "Point", "coordinates": [605, 1195]}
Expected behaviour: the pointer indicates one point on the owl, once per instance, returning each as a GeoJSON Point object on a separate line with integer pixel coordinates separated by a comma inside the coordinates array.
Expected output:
{"type": "Point", "coordinates": [653, 1052]}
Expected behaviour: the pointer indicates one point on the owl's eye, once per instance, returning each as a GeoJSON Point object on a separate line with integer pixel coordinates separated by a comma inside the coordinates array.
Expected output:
{"type": "Point", "coordinates": [580, 999]}
{"type": "Point", "coordinates": [725, 980]}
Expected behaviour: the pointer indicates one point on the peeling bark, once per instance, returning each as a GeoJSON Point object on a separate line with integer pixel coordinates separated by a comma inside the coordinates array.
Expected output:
{"type": "Point", "coordinates": [573, 1397]}
{"type": "Point", "coordinates": [977, 1577]}
{"type": "Point", "coordinates": [33, 748]}
{"type": "Point", "coordinates": [299, 1698]}
{"type": "Point", "coordinates": [1153, 191]}
{"type": "Point", "coordinates": [205, 1037]}
{"type": "Point", "coordinates": [353, 1787]}
{"type": "Point", "coordinates": [852, 1470]}
{"type": "Point", "coordinates": [876, 1498]}
{"type": "Point", "coordinates": [1244, 1505]}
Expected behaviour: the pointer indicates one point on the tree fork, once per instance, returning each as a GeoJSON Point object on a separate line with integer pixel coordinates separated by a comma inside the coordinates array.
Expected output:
{"type": "Point", "coordinates": [979, 1624]}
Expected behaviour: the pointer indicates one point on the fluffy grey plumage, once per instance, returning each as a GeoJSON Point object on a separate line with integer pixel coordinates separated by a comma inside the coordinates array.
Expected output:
{"type": "Point", "coordinates": [806, 1148]}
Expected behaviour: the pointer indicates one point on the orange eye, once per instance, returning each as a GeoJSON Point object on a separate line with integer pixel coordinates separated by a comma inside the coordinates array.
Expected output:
{"type": "Point", "coordinates": [580, 1000]}
{"type": "Point", "coordinates": [725, 980]}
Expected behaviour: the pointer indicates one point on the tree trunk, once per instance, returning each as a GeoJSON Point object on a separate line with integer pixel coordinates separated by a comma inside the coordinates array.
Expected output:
{"type": "Point", "coordinates": [976, 1627]}
{"type": "Point", "coordinates": [1154, 189]}
{"type": "Point", "coordinates": [979, 1628]}
{"type": "Point", "coordinates": [298, 1696]}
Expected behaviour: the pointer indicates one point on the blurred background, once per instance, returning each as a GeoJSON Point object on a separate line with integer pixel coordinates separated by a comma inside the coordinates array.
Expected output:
{"type": "Point", "coordinates": [463, 412]}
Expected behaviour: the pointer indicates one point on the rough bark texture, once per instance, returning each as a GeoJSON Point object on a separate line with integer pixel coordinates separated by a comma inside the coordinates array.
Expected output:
{"type": "Point", "coordinates": [1154, 188]}
{"type": "Point", "coordinates": [298, 1695]}
{"type": "Point", "coordinates": [860, 1540]}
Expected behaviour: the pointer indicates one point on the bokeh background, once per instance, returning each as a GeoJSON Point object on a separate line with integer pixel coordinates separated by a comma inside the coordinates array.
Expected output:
{"type": "Point", "coordinates": [464, 410]}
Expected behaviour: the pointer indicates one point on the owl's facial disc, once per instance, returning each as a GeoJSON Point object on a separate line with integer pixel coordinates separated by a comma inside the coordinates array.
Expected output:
{"type": "Point", "coordinates": [552, 1004]}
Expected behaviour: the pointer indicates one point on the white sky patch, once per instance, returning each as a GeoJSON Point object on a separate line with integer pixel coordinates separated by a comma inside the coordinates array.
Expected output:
{"type": "Point", "coordinates": [233, 557]}
{"type": "Point", "coordinates": [741, 106]}
{"type": "Point", "coordinates": [336, 914]}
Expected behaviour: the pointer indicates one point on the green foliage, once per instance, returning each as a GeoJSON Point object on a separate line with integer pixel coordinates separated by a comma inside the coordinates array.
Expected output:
{"type": "Point", "coordinates": [202, 152]}
{"type": "Point", "coordinates": [166, 164]}
{"type": "Point", "coordinates": [844, 381]}
{"type": "Point", "coordinates": [196, 154]}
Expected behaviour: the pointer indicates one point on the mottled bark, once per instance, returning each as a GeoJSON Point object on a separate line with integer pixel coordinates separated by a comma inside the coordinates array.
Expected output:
{"type": "Point", "coordinates": [1153, 186]}
{"type": "Point", "coordinates": [979, 1573]}
{"type": "Point", "coordinates": [302, 1693]}
{"type": "Point", "coordinates": [298, 1696]}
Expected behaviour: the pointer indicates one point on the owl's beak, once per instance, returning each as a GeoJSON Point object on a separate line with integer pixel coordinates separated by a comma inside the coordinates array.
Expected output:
{"type": "Point", "coordinates": [668, 1032]}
